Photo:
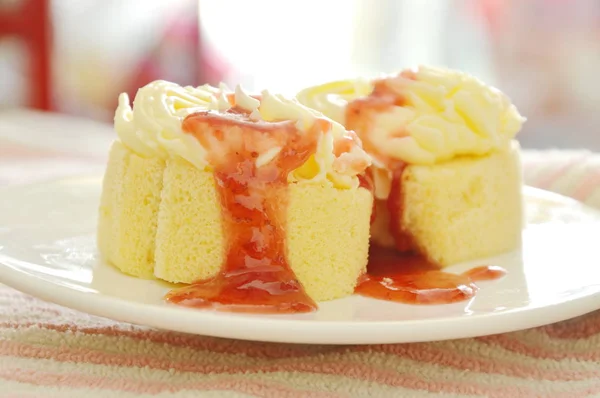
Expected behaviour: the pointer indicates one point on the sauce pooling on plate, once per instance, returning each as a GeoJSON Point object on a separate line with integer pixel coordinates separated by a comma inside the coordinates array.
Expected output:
{"type": "Point", "coordinates": [409, 278]}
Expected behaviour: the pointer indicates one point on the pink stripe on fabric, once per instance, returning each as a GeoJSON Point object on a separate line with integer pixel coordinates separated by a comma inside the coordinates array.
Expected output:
{"type": "Point", "coordinates": [575, 329]}
{"type": "Point", "coordinates": [225, 346]}
{"type": "Point", "coordinates": [19, 395]}
{"type": "Point", "coordinates": [13, 294]}
{"type": "Point", "coordinates": [588, 185]}
{"type": "Point", "coordinates": [340, 368]}
{"type": "Point", "coordinates": [548, 180]}
{"type": "Point", "coordinates": [418, 352]}
{"type": "Point", "coordinates": [429, 354]}
{"type": "Point", "coordinates": [21, 151]}
{"type": "Point", "coordinates": [34, 305]}
{"type": "Point", "coordinates": [531, 167]}
{"type": "Point", "coordinates": [24, 152]}
{"type": "Point", "coordinates": [260, 389]}
{"type": "Point", "coordinates": [582, 393]}
{"type": "Point", "coordinates": [509, 343]}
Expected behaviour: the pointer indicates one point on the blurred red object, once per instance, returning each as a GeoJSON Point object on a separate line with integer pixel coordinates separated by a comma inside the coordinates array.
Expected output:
{"type": "Point", "coordinates": [181, 56]}
{"type": "Point", "coordinates": [29, 20]}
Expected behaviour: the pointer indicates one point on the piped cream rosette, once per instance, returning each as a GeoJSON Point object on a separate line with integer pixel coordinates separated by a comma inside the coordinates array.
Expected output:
{"type": "Point", "coordinates": [434, 115]}
{"type": "Point", "coordinates": [153, 128]}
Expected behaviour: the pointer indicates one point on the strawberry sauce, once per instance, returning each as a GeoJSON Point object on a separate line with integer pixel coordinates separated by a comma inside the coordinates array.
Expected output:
{"type": "Point", "coordinates": [256, 275]}
{"type": "Point", "coordinates": [411, 279]}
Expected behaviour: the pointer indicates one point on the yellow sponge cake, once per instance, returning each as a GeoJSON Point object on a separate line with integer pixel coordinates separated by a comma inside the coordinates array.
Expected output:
{"type": "Point", "coordinates": [189, 202]}
{"type": "Point", "coordinates": [112, 189]}
{"type": "Point", "coordinates": [445, 163]}
{"type": "Point", "coordinates": [342, 257]}
{"type": "Point", "coordinates": [134, 226]}
{"type": "Point", "coordinates": [250, 200]}
{"type": "Point", "coordinates": [128, 209]}
{"type": "Point", "coordinates": [129, 206]}
{"type": "Point", "coordinates": [189, 242]}
{"type": "Point", "coordinates": [459, 210]}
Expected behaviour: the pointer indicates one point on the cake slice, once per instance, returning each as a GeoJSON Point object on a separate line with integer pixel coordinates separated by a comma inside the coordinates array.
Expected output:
{"type": "Point", "coordinates": [250, 200]}
{"type": "Point", "coordinates": [459, 210]}
{"type": "Point", "coordinates": [190, 245]}
{"type": "Point", "coordinates": [133, 184]}
{"type": "Point", "coordinates": [445, 163]}
{"type": "Point", "coordinates": [134, 175]}
{"type": "Point", "coordinates": [327, 232]}
{"type": "Point", "coordinates": [272, 166]}
{"type": "Point", "coordinates": [128, 211]}
{"type": "Point", "coordinates": [135, 217]}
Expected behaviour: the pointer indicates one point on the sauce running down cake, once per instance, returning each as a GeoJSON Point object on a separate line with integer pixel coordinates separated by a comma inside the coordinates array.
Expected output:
{"type": "Point", "coordinates": [250, 200]}
{"type": "Point", "coordinates": [446, 165]}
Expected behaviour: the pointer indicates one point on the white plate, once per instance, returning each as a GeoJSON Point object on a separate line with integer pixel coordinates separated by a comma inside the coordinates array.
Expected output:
{"type": "Point", "coordinates": [47, 249]}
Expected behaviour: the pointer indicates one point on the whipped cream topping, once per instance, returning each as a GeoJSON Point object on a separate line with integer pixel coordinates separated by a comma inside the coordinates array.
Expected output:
{"type": "Point", "coordinates": [332, 98]}
{"type": "Point", "coordinates": [437, 114]}
{"type": "Point", "coordinates": [153, 128]}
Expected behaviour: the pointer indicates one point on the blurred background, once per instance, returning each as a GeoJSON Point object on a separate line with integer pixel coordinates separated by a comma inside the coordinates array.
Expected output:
{"type": "Point", "coordinates": [75, 57]}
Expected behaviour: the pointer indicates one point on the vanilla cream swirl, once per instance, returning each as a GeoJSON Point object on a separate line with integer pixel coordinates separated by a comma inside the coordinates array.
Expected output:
{"type": "Point", "coordinates": [153, 128]}
{"type": "Point", "coordinates": [442, 114]}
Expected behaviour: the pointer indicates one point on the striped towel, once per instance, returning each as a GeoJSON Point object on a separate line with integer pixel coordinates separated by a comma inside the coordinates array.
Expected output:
{"type": "Point", "coordinates": [50, 351]}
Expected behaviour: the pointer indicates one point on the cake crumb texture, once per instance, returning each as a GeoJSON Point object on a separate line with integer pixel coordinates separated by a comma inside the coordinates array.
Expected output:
{"type": "Point", "coordinates": [464, 209]}
{"type": "Point", "coordinates": [327, 238]}
{"type": "Point", "coordinates": [135, 218]}
{"type": "Point", "coordinates": [190, 240]}
{"type": "Point", "coordinates": [112, 191]}
{"type": "Point", "coordinates": [165, 220]}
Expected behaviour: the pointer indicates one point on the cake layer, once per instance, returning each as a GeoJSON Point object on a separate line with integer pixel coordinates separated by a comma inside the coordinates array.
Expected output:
{"type": "Point", "coordinates": [129, 211]}
{"type": "Point", "coordinates": [460, 210]}
{"type": "Point", "coordinates": [253, 200]}
{"type": "Point", "coordinates": [327, 232]}
{"type": "Point", "coordinates": [166, 221]}
{"type": "Point", "coordinates": [327, 238]}
{"type": "Point", "coordinates": [112, 190]}
{"type": "Point", "coordinates": [189, 240]}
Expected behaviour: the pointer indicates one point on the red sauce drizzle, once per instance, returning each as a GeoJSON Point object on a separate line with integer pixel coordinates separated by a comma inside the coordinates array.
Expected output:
{"type": "Point", "coordinates": [395, 273]}
{"type": "Point", "coordinates": [485, 273]}
{"type": "Point", "coordinates": [360, 112]}
{"type": "Point", "coordinates": [395, 205]}
{"type": "Point", "coordinates": [360, 115]}
{"type": "Point", "coordinates": [411, 279]}
{"type": "Point", "coordinates": [381, 98]}
{"type": "Point", "coordinates": [256, 275]}
{"type": "Point", "coordinates": [365, 180]}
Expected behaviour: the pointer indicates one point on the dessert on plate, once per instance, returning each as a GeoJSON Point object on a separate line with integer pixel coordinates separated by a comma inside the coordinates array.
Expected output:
{"type": "Point", "coordinates": [268, 204]}
{"type": "Point", "coordinates": [252, 200]}
{"type": "Point", "coordinates": [446, 165]}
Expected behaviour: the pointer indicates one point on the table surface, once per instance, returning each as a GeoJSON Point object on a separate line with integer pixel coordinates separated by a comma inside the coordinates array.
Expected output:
{"type": "Point", "coordinates": [47, 350]}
